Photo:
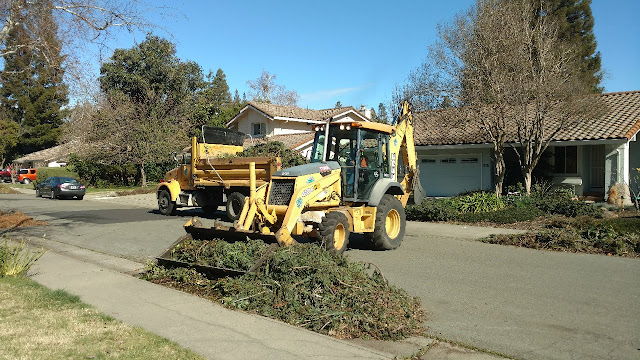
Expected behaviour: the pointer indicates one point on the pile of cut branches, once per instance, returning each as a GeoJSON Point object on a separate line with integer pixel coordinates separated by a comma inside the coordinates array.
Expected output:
{"type": "Point", "coordinates": [302, 285]}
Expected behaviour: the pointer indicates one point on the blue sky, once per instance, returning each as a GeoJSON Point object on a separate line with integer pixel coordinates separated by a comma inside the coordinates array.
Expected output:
{"type": "Point", "coordinates": [352, 51]}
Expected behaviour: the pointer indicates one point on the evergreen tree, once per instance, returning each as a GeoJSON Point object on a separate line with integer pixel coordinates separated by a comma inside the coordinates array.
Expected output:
{"type": "Point", "coordinates": [338, 104]}
{"type": "Point", "coordinates": [575, 25]}
{"type": "Point", "coordinates": [220, 94]}
{"type": "Point", "coordinates": [33, 93]}
{"type": "Point", "coordinates": [382, 114]}
{"type": "Point", "coordinates": [236, 97]}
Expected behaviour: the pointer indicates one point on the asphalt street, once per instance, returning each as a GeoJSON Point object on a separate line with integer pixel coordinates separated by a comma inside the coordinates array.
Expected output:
{"type": "Point", "coordinates": [523, 303]}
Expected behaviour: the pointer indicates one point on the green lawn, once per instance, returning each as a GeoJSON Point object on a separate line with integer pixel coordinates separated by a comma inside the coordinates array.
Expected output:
{"type": "Point", "coordinates": [38, 323]}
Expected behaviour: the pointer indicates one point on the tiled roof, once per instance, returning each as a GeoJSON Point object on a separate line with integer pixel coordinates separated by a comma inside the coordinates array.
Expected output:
{"type": "Point", "coordinates": [55, 153]}
{"type": "Point", "coordinates": [291, 141]}
{"type": "Point", "coordinates": [298, 113]}
{"type": "Point", "coordinates": [621, 119]}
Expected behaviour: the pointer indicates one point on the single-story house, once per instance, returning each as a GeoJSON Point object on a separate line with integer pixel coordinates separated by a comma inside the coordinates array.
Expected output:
{"type": "Point", "coordinates": [455, 156]}
{"type": "Point", "coordinates": [51, 157]}
{"type": "Point", "coordinates": [276, 122]}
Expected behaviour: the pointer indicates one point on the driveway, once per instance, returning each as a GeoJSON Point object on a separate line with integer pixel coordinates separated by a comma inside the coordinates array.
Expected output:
{"type": "Point", "coordinates": [523, 303]}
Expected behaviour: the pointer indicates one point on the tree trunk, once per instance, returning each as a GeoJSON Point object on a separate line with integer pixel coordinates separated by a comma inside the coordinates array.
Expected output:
{"type": "Point", "coordinates": [527, 179]}
{"type": "Point", "coordinates": [143, 176]}
{"type": "Point", "coordinates": [500, 172]}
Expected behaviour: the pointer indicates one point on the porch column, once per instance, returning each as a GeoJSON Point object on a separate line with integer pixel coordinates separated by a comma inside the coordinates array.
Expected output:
{"type": "Point", "coordinates": [616, 165]}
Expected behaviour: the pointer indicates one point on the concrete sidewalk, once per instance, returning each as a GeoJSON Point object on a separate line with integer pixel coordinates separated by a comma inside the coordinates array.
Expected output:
{"type": "Point", "coordinates": [108, 284]}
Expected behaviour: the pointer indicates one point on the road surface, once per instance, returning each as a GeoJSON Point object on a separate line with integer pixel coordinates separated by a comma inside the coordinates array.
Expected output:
{"type": "Point", "coordinates": [524, 303]}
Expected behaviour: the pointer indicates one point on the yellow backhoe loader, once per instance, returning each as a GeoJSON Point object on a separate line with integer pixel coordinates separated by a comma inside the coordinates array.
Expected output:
{"type": "Point", "coordinates": [359, 180]}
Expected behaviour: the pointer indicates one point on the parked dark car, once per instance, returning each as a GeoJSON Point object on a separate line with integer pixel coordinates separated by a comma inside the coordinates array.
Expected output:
{"type": "Point", "coordinates": [61, 187]}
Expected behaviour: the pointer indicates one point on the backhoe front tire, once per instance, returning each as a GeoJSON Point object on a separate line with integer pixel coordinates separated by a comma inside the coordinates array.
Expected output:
{"type": "Point", "coordinates": [390, 224]}
{"type": "Point", "coordinates": [235, 203]}
{"type": "Point", "coordinates": [333, 232]}
{"type": "Point", "coordinates": [165, 205]}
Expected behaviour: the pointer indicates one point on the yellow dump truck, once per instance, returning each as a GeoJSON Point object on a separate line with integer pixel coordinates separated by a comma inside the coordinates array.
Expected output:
{"type": "Point", "coordinates": [208, 175]}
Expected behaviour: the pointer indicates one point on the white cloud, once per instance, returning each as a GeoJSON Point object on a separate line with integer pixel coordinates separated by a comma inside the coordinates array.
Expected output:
{"type": "Point", "coordinates": [332, 93]}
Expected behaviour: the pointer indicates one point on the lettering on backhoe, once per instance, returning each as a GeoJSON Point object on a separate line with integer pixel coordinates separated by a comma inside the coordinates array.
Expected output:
{"type": "Point", "coordinates": [394, 162]}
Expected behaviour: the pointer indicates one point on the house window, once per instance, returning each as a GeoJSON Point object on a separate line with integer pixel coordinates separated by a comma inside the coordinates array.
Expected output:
{"type": "Point", "coordinates": [566, 159]}
{"type": "Point", "coordinates": [448, 161]}
{"type": "Point", "coordinates": [259, 129]}
{"type": "Point", "coordinates": [428, 161]}
{"type": "Point", "coordinates": [469, 160]}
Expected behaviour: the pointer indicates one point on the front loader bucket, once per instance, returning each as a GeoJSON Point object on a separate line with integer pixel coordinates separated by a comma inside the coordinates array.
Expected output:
{"type": "Point", "coordinates": [220, 231]}
{"type": "Point", "coordinates": [211, 272]}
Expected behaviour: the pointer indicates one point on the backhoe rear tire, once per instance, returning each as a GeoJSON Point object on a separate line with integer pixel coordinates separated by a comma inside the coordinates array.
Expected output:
{"type": "Point", "coordinates": [235, 203]}
{"type": "Point", "coordinates": [390, 224]}
{"type": "Point", "coordinates": [165, 205]}
{"type": "Point", "coordinates": [333, 232]}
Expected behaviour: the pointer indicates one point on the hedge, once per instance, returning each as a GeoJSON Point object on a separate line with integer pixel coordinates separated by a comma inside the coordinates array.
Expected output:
{"type": "Point", "coordinates": [47, 172]}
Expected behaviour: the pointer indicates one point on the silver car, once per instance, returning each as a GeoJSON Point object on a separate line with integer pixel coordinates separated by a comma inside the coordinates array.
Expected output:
{"type": "Point", "coordinates": [61, 187]}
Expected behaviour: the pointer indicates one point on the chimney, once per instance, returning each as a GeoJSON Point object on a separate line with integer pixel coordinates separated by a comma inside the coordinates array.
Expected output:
{"type": "Point", "coordinates": [366, 112]}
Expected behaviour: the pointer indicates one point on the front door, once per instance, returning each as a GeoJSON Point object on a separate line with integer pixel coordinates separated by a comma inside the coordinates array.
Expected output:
{"type": "Point", "coordinates": [597, 167]}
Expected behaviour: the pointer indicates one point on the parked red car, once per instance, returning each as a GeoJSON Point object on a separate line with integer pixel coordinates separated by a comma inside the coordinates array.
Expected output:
{"type": "Point", "coordinates": [5, 175]}
{"type": "Point", "coordinates": [27, 176]}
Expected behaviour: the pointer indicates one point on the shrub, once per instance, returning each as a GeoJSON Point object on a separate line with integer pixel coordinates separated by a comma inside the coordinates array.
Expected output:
{"type": "Point", "coordinates": [478, 202]}
{"type": "Point", "coordinates": [593, 239]}
{"type": "Point", "coordinates": [504, 216]}
{"type": "Point", "coordinates": [47, 172]}
{"type": "Point", "coordinates": [16, 260]}
{"type": "Point", "coordinates": [567, 207]}
{"type": "Point", "coordinates": [431, 210]}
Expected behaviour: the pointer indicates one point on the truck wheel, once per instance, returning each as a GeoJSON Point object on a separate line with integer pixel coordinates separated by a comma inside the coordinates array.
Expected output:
{"type": "Point", "coordinates": [334, 232]}
{"type": "Point", "coordinates": [165, 205]}
{"type": "Point", "coordinates": [38, 193]}
{"type": "Point", "coordinates": [390, 224]}
{"type": "Point", "coordinates": [26, 181]}
{"type": "Point", "coordinates": [235, 203]}
{"type": "Point", "coordinates": [52, 195]}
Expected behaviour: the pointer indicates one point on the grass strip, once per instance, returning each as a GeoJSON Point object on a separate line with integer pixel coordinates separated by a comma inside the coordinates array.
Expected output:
{"type": "Point", "coordinates": [38, 323]}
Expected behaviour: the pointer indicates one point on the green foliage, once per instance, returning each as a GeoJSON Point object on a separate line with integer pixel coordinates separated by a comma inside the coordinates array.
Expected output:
{"type": "Point", "coordinates": [594, 239]}
{"type": "Point", "coordinates": [482, 206]}
{"type": "Point", "coordinates": [239, 255]}
{"type": "Point", "coordinates": [303, 285]}
{"type": "Point", "coordinates": [32, 92]}
{"type": "Point", "coordinates": [432, 210]}
{"type": "Point", "coordinates": [17, 259]}
{"type": "Point", "coordinates": [561, 202]}
{"type": "Point", "coordinates": [288, 156]}
{"type": "Point", "coordinates": [478, 202]}
{"type": "Point", "coordinates": [575, 26]}
{"type": "Point", "coordinates": [47, 172]}
{"type": "Point", "coordinates": [150, 68]}
{"type": "Point", "coordinates": [9, 130]}
{"type": "Point", "coordinates": [508, 215]}
{"type": "Point", "coordinates": [96, 173]}
{"type": "Point", "coordinates": [214, 105]}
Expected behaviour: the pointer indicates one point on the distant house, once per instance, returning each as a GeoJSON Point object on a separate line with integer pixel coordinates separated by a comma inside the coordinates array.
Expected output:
{"type": "Point", "coordinates": [51, 157]}
{"type": "Point", "coordinates": [291, 125]}
{"type": "Point", "coordinates": [456, 157]}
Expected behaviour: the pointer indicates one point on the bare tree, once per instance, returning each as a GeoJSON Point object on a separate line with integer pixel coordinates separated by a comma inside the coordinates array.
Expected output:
{"type": "Point", "coordinates": [121, 131]}
{"type": "Point", "coordinates": [265, 89]}
{"type": "Point", "coordinates": [551, 93]}
{"type": "Point", "coordinates": [506, 69]}
{"type": "Point", "coordinates": [81, 25]}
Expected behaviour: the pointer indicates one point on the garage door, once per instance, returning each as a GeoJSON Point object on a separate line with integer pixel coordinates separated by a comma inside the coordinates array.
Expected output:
{"type": "Point", "coordinates": [450, 175]}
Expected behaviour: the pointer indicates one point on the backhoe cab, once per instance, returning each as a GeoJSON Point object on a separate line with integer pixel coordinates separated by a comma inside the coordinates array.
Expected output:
{"type": "Point", "coordinates": [359, 180]}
